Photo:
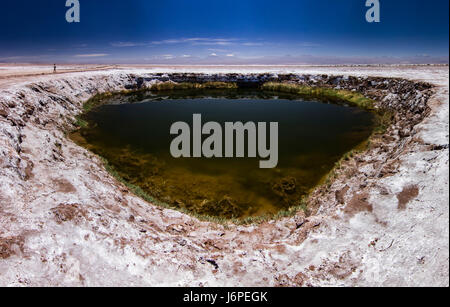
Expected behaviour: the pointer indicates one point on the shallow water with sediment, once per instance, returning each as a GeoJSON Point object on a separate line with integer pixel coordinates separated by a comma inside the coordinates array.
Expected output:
{"type": "Point", "coordinates": [134, 138]}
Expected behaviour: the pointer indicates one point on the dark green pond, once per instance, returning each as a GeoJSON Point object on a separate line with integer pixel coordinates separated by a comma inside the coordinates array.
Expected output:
{"type": "Point", "coordinates": [135, 139]}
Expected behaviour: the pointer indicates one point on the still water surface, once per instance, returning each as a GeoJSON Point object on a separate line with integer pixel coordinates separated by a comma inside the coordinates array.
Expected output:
{"type": "Point", "coordinates": [135, 139]}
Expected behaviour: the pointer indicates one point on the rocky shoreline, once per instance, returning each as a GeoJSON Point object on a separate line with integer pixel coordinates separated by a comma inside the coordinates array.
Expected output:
{"type": "Point", "coordinates": [63, 215]}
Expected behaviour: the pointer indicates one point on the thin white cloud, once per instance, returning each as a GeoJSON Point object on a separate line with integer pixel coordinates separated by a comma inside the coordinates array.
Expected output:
{"type": "Point", "coordinates": [250, 44]}
{"type": "Point", "coordinates": [126, 44]}
{"type": "Point", "coordinates": [91, 55]}
{"type": "Point", "coordinates": [309, 45]}
{"type": "Point", "coordinates": [168, 41]}
{"type": "Point", "coordinates": [213, 43]}
{"type": "Point", "coordinates": [24, 58]}
{"type": "Point", "coordinates": [217, 50]}
{"type": "Point", "coordinates": [195, 41]}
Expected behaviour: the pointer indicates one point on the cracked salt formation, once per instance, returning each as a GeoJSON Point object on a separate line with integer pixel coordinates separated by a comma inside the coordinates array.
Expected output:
{"type": "Point", "coordinates": [65, 221]}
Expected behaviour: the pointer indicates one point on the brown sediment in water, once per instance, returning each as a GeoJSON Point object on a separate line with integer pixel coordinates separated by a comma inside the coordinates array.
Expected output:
{"type": "Point", "coordinates": [224, 194]}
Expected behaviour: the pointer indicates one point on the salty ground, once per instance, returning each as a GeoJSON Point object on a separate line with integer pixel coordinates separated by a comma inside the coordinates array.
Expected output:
{"type": "Point", "coordinates": [65, 221]}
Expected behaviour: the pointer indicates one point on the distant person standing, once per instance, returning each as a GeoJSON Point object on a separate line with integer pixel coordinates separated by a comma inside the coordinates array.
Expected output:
{"type": "Point", "coordinates": [54, 68]}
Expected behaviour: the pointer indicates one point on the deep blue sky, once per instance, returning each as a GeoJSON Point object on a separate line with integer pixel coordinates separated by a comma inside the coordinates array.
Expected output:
{"type": "Point", "coordinates": [226, 31]}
